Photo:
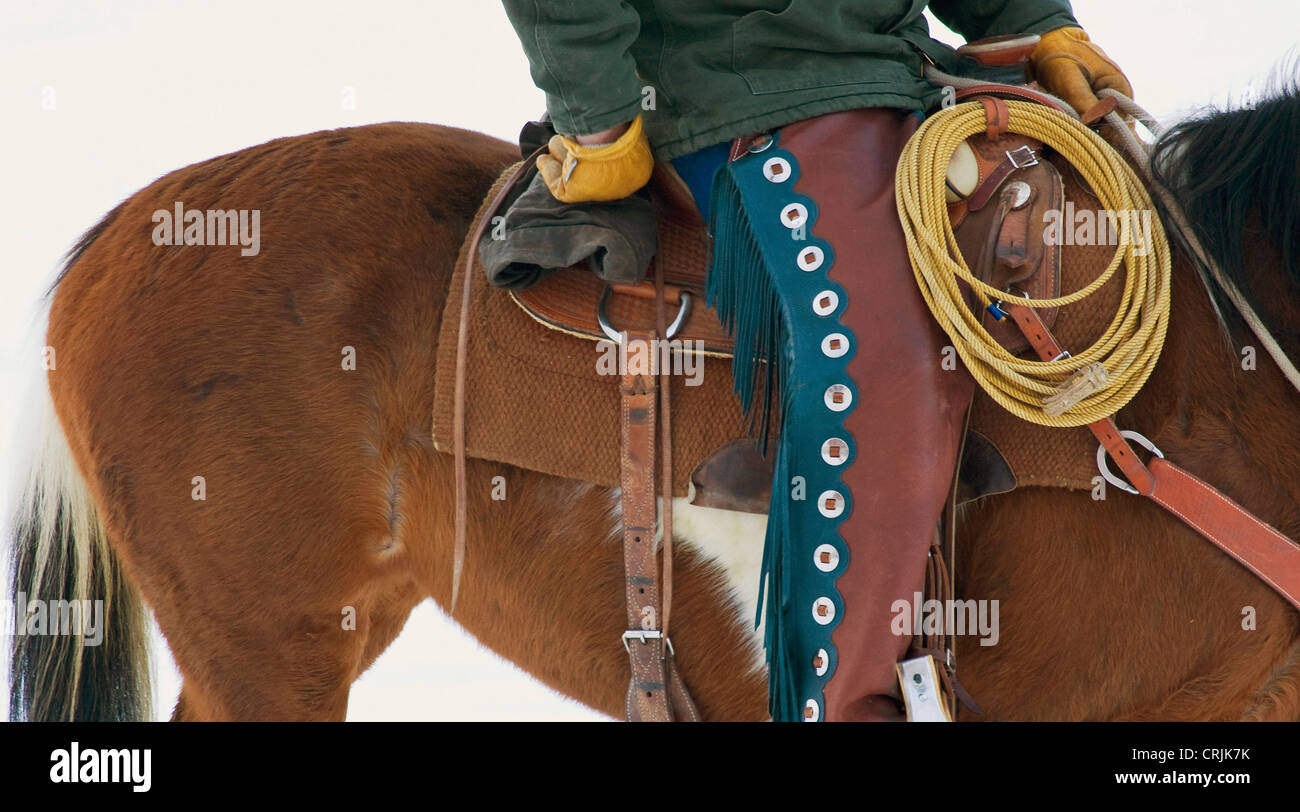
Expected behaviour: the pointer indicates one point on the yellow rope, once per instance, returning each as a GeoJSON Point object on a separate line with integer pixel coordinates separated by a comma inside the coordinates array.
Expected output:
{"type": "Point", "coordinates": [1130, 345]}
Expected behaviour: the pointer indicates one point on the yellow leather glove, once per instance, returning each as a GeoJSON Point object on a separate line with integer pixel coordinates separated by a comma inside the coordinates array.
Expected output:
{"type": "Point", "coordinates": [1067, 64]}
{"type": "Point", "coordinates": [576, 173]}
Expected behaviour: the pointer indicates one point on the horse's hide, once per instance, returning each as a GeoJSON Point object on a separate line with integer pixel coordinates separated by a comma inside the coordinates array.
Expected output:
{"type": "Point", "coordinates": [537, 398]}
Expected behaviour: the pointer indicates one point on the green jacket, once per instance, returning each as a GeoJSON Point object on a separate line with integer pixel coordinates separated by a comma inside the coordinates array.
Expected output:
{"type": "Point", "coordinates": [702, 72]}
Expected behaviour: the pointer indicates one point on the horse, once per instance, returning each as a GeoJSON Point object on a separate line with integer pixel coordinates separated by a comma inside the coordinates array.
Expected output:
{"type": "Point", "coordinates": [240, 444]}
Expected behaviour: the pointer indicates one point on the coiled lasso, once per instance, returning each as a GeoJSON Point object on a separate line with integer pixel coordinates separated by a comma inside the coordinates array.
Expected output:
{"type": "Point", "coordinates": [1131, 344]}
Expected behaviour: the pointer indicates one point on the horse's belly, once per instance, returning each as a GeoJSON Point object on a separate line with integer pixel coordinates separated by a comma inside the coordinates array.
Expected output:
{"type": "Point", "coordinates": [734, 542]}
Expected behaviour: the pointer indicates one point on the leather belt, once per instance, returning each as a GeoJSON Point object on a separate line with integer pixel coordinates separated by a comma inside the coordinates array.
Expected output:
{"type": "Point", "coordinates": [1260, 548]}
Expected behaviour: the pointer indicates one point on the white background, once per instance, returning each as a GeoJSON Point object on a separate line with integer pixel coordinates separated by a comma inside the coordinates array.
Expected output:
{"type": "Point", "coordinates": [142, 87]}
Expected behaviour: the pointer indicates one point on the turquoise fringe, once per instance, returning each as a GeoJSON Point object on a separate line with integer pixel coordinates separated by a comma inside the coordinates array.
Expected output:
{"type": "Point", "coordinates": [764, 301]}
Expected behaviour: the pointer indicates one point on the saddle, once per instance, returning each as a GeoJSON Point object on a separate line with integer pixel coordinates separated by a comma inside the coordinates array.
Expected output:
{"type": "Point", "coordinates": [532, 355]}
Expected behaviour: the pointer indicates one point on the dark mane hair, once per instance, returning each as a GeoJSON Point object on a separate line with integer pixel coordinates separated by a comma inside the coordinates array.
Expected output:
{"type": "Point", "coordinates": [1239, 169]}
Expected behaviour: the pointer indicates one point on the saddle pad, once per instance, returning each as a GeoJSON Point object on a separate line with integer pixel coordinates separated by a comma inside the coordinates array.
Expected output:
{"type": "Point", "coordinates": [537, 399]}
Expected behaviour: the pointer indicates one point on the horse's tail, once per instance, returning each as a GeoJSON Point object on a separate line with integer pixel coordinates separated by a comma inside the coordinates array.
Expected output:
{"type": "Point", "coordinates": [80, 635]}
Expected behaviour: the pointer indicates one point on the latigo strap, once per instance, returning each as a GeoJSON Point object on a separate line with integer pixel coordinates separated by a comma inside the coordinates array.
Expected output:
{"type": "Point", "coordinates": [1255, 545]}
{"type": "Point", "coordinates": [656, 692]}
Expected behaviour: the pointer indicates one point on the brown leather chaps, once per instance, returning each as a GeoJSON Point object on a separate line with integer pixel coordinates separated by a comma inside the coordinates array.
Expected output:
{"type": "Point", "coordinates": [907, 425]}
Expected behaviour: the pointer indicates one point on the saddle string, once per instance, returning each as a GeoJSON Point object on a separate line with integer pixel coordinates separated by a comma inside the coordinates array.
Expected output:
{"type": "Point", "coordinates": [462, 347]}
{"type": "Point", "coordinates": [666, 440]}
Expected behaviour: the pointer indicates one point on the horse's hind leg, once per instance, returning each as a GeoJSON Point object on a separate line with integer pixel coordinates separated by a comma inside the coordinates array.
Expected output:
{"type": "Point", "coordinates": [309, 681]}
{"type": "Point", "coordinates": [250, 650]}
{"type": "Point", "coordinates": [270, 542]}
{"type": "Point", "coordinates": [248, 425]}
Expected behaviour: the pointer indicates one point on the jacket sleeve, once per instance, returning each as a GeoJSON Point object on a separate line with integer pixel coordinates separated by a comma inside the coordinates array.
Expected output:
{"type": "Point", "coordinates": [976, 19]}
{"type": "Point", "coordinates": [579, 55]}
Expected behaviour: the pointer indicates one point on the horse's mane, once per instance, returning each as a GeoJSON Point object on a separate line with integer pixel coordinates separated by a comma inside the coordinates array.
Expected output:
{"type": "Point", "coordinates": [1235, 170]}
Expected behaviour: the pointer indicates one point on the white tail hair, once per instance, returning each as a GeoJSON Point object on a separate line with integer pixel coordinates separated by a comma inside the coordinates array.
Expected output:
{"type": "Point", "coordinates": [61, 556]}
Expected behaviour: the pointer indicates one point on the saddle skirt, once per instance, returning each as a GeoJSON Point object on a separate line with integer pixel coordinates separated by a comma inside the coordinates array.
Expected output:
{"type": "Point", "coordinates": [543, 385]}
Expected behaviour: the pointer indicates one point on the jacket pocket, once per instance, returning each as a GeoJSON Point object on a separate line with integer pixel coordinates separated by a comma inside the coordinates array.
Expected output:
{"type": "Point", "coordinates": [820, 43]}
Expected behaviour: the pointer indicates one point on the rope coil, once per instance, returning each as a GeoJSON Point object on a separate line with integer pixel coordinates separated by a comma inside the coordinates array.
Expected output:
{"type": "Point", "coordinates": [1129, 347]}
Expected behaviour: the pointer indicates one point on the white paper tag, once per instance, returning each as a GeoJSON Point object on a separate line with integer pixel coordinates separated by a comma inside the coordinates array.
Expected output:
{"type": "Point", "coordinates": [919, 679]}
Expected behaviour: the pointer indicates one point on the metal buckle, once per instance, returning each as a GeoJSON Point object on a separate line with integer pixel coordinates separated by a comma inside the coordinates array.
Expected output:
{"type": "Point", "coordinates": [1030, 158]}
{"type": "Point", "coordinates": [613, 334]}
{"type": "Point", "coordinates": [995, 307]}
{"type": "Point", "coordinates": [1105, 470]}
{"type": "Point", "coordinates": [644, 635]}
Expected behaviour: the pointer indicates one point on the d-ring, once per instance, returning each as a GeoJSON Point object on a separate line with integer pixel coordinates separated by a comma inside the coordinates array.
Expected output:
{"type": "Point", "coordinates": [683, 310]}
{"type": "Point", "coordinates": [1105, 471]}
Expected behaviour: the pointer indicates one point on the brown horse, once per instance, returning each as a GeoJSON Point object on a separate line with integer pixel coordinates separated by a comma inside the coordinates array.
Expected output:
{"type": "Point", "coordinates": [244, 442]}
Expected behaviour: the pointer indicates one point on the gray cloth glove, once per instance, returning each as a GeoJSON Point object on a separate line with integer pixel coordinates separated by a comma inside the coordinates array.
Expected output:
{"type": "Point", "coordinates": [615, 239]}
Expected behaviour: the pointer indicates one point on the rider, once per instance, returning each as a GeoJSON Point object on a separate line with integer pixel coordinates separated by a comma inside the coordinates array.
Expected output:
{"type": "Point", "coordinates": [628, 82]}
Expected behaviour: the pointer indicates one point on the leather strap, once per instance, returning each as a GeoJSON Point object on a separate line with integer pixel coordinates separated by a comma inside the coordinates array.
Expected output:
{"type": "Point", "coordinates": [462, 347]}
{"type": "Point", "coordinates": [671, 294]}
{"type": "Point", "coordinates": [997, 115]}
{"type": "Point", "coordinates": [1260, 548]}
{"type": "Point", "coordinates": [1027, 156]}
{"type": "Point", "coordinates": [1007, 92]}
{"type": "Point", "coordinates": [1012, 245]}
{"type": "Point", "coordinates": [655, 692]}
{"type": "Point", "coordinates": [1099, 111]}
{"type": "Point", "coordinates": [665, 417]}
{"type": "Point", "coordinates": [647, 695]}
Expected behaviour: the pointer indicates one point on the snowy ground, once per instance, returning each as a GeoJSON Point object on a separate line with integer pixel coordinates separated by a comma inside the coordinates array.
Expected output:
{"type": "Point", "coordinates": [141, 87]}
